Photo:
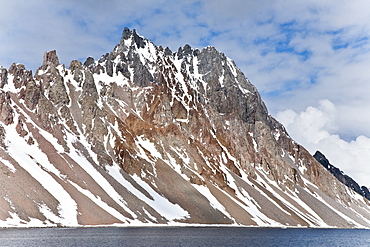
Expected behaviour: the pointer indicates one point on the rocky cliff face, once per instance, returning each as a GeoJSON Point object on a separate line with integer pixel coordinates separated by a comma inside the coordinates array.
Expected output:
{"type": "Point", "coordinates": [145, 135]}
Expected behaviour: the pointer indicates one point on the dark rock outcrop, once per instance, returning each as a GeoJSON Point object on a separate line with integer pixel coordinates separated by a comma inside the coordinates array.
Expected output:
{"type": "Point", "coordinates": [343, 178]}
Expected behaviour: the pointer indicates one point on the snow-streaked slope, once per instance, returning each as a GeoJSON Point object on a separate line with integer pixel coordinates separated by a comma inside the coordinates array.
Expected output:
{"type": "Point", "coordinates": [146, 136]}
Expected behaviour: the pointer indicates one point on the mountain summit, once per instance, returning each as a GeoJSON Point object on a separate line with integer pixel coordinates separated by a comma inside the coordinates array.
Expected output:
{"type": "Point", "coordinates": [147, 136]}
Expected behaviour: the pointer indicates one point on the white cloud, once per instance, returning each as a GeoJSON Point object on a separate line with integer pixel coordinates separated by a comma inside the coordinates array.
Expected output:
{"type": "Point", "coordinates": [312, 125]}
{"type": "Point", "coordinates": [315, 129]}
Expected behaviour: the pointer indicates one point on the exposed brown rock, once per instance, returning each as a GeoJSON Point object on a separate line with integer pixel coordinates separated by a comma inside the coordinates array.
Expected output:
{"type": "Point", "coordinates": [3, 77]}
{"type": "Point", "coordinates": [139, 130]}
{"type": "Point", "coordinates": [51, 58]}
{"type": "Point", "coordinates": [6, 111]}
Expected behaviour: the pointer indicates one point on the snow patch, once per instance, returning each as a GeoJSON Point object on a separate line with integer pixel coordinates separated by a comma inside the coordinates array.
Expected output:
{"type": "Point", "coordinates": [8, 164]}
{"type": "Point", "coordinates": [39, 167]}
{"type": "Point", "coordinates": [254, 142]}
{"type": "Point", "coordinates": [164, 207]}
{"type": "Point", "coordinates": [204, 190]}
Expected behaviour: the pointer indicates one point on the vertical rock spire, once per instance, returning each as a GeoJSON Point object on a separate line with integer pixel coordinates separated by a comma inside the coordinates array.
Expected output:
{"type": "Point", "coordinates": [126, 34]}
{"type": "Point", "coordinates": [51, 58]}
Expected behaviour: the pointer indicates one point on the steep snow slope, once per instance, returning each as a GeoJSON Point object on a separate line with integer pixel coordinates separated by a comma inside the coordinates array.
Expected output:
{"type": "Point", "coordinates": [148, 136]}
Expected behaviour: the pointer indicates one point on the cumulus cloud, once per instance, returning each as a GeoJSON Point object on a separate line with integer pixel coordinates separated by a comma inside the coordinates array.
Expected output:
{"type": "Point", "coordinates": [316, 129]}
{"type": "Point", "coordinates": [311, 125]}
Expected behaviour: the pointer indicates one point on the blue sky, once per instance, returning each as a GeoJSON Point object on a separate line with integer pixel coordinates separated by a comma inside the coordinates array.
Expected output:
{"type": "Point", "coordinates": [309, 59]}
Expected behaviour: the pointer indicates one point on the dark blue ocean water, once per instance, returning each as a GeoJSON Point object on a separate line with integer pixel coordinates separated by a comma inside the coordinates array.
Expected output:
{"type": "Point", "coordinates": [183, 236]}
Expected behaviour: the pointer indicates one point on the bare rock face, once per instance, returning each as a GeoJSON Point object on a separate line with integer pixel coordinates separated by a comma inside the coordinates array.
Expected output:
{"type": "Point", "coordinates": [58, 92]}
{"type": "Point", "coordinates": [6, 111]}
{"type": "Point", "coordinates": [32, 94]}
{"type": "Point", "coordinates": [3, 77]}
{"type": "Point", "coordinates": [146, 135]}
{"type": "Point", "coordinates": [51, 58]}
{"type": "Point", "coordinates": [20, 75]}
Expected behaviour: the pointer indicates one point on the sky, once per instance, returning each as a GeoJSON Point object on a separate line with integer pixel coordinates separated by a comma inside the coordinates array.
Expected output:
{"type": "Point", "coordinates": [309, 59]}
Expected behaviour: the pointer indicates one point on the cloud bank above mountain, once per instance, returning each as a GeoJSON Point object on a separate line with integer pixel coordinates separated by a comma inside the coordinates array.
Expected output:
{"type": "Point", "coordinates": [316, 129]}
{"type": "Point", "coordinates": [296, 53]}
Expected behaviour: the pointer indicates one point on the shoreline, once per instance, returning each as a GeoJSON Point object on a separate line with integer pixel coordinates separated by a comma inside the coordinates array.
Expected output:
{"type": "Point", "coordinates": [179, 226]}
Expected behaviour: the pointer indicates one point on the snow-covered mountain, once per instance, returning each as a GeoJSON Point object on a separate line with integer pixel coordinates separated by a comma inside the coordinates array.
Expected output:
{"type": "Point", "coordinates": [147, 136]}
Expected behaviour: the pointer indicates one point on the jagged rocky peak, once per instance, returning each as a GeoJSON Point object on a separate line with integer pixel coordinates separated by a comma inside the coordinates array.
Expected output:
{"type": "Point", "coordinates": [89, 61]}
{"type": "Point", "coordinates": [49, 65]}
{"type": "Point", "coordinates": [19, 74]}
{"type": "Point", "coordinates": [75, 64]}
{"type": "Point", "coordinates": [186, 51]}
{"type": "Point", "coordinates": [51, 58]}
{"type": "Point", "coordinates": [128, 35]}
{"type": "Point", "coordinates": [145, 136]}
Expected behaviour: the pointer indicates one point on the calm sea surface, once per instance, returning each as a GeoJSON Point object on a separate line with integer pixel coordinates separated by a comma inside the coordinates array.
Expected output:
{"type": "Point", "coordinates": [183, 236]}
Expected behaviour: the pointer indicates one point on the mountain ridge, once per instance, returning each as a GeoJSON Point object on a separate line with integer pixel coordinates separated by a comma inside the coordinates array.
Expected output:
{"type": "Point", "coordinates": [345, 179]}
{"type": "Point", "coordinates": [148, 136]}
